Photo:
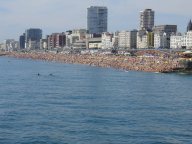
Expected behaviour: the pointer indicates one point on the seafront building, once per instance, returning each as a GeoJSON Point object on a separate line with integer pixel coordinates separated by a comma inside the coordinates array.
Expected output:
{"type": "Point", "coordinates": [161, 40]}
{"type": "Point", "coordinates": [56, 40]}
{"type": "Point", "coordinates": [127, 39]}
{"type": "Point", "coordinates": [80, 41]}
{"type": "Point", "coordinates": [97, 19]}
{"type": "Point", "coordinates": [115, 40]}
{"type": "Point", "coordinates": [176, 41]}
{"type": "Point", "coordinates": [168, 29]}
{"type": "Point", "coordinates": [80, 33]}
{"type": "Point", "coordinates": [93, 41]}
{"type": "Point", "coordinates": [145, 36]}
{"type": "Point", "coordinates": [22, 41]}
{"type": "Point", "coordinates": [43, 44]}
{"type": "Point", "coordinates": [107, 40]}
{"type": "Point", "coordinates": [142, 39]}
{"type": "Point", "coordinates": [162, 34]}
{"type": "Point", "coordinates": [96, 35]}
{"type": "Point", "coordinates": [145, 39]}
{"type": "Point", "coordinates": [75, 38]}
{"type": "Point", "coordinates": [10, 45]}
{"type": "Point", "coordinates": [32, 38]}
{"type": "Point", "coordinates": [79, 44]}
{"type": "Point", "coordinates": [147, 18]}
{"type": "Point", "coordinates": [182, 41]}
{"type": "Point", "coordinates": [187, 40]}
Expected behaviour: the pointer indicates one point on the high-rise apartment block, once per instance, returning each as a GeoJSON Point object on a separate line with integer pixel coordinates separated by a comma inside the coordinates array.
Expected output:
{"type": "Point", "coordinates": [97, 19]}
{"type": "Point", "coordinates": [32, 38]}
{"type": "Point", "coordinates": [147, 19]}
{"type": "Point", "coordinates": [22, 41]}
{"type": "Point", "coordinates": [33, 34]}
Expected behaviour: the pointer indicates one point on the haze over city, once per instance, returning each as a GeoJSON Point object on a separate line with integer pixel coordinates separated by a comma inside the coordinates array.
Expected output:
{"type": "Point", "coordinates": [61, 15]}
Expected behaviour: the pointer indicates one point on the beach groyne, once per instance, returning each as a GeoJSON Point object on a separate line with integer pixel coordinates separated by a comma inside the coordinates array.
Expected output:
{"type": "Point", "coordinates": [141, 62]}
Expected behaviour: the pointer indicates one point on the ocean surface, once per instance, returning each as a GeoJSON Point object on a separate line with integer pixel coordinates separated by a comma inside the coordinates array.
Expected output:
{"type": "Point", "coordinates": [54, 103]}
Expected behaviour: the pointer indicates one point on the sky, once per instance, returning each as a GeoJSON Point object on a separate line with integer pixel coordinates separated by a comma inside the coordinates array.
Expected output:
{"type": "Point", "coordinates": [61, 15]}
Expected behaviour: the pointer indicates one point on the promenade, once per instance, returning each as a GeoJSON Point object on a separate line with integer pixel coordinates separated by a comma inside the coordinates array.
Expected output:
{"type": "Point", "coordinates": [152, 61]}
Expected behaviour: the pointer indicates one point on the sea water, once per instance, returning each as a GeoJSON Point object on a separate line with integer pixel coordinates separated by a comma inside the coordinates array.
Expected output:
{"type": "Point", "coordinates": [54, 103]}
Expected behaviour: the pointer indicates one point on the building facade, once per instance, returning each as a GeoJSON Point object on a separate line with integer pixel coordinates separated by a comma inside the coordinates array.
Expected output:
{"type": "Point", "coordinates": [22, 41]}
{"type": "Point", "coordinates": [142, 39]}
{"type": "Point", "coordinates": [76, 37]}
{"type": "Point", "coordinates": [147, 19]}
{"type": "Point", "coordinates": [162, 34]}
{"type": "Point", "coordinates": [182, 41]}
{"type": "Point", "coordinates": [81, 33]}
{"type": "Point", "coordinates": [161, 40]}
{"type": "Point", "coordinates": [10, 45]}
{"type": "Point", "coordinates": [43, 44]}
{"type": "Point", "coordinates": [187, 40]}
{"type": "Point", "coordinates": [32, 38]}
{"type": "Point", "coordinates": [107, 40]}
{"type": "Point", "coordinates": [56, 40]}
{"type": "Point", "coordinates": [176, 41]}
{"type": "Point", "coordinates": [97, 18]}
{"type": "Point", "coordinates": [168, 29]}
{"type": "Point", "coordinates": [127, 39]}
{"type": "Point", "coordinates": [94, 41]}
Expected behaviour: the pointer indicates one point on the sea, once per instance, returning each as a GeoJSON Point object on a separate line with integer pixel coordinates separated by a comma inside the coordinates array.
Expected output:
{"type": "Point", "coordinates": [45, 102]}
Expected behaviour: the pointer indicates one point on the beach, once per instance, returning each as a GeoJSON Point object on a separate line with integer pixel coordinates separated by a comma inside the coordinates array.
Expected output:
{"type": "Point", "coordinates": [155, 62]}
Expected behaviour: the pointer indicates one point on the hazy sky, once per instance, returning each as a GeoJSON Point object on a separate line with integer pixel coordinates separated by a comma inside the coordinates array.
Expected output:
{"type": "Point", "coordinates": [61, 15]}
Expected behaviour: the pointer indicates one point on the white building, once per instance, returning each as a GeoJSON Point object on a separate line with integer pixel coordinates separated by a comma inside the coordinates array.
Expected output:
{"type": "Point", "coordinates": [160, 40]}
{"type": "Point", "coordinates": [188, 40]}
{"type": "Point", "coordinates": [10, 45]}
{"type": "Point", "coordinates": [127, 39]}
{"type": "Point", "coordinates": [176, 41]}
{"type": "Point", "coordinates": [179, 41]}
{"type": "Point", "coordinates": [142, 39]}
{"type": "Point", "coordinates": [107, 40]}
{"type": "Point", "coordinates": [43, 43]}
{"type": "Point", "coordinates": [162, 35]}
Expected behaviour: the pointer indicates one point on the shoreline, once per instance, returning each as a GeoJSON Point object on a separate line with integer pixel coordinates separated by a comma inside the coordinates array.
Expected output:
{"type": "Point", "coordinates": [161, 63]}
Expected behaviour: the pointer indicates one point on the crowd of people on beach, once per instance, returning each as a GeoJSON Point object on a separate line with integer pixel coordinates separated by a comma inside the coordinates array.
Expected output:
{"type": "Point", "coordinates": [149, 61]}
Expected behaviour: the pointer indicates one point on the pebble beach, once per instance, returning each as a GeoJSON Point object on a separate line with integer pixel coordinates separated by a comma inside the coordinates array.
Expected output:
{"type": "Point", "coordinates": [157, 63]}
